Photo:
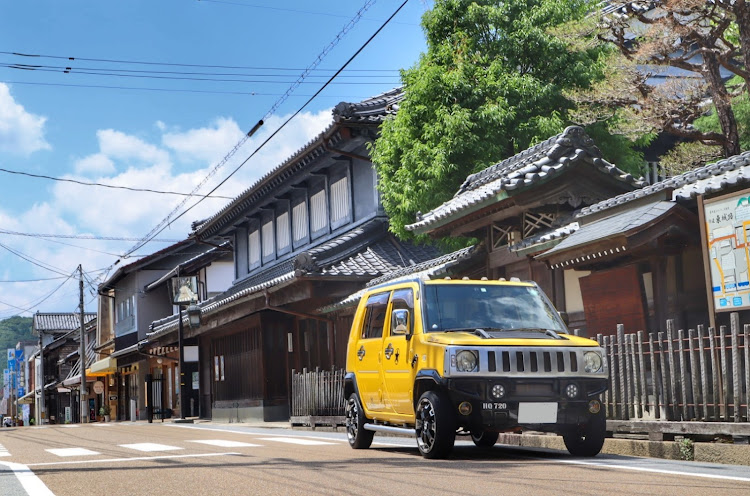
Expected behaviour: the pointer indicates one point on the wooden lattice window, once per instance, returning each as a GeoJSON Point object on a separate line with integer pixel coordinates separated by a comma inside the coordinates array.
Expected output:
{"type": "Point", "coordinates": [533, 222]}
{"type": "Point", "coordinates": [500, 235]}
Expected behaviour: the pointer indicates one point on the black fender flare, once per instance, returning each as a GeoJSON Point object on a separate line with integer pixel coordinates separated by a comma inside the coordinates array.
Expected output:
{"type": "Point", "coordinates": [426, 380]}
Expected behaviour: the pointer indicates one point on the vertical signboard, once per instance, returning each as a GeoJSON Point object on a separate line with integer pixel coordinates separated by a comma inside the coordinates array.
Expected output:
{"type": "Point", "coordinates": [727, 222]}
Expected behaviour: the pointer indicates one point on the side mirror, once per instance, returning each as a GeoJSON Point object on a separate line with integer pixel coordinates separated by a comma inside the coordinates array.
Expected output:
{"type": "Point", "coordinates": [400, 322]}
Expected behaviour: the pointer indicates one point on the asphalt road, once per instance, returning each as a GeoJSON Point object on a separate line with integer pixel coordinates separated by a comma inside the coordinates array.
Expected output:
{"type": "Point", "coordinates": [232, 459]}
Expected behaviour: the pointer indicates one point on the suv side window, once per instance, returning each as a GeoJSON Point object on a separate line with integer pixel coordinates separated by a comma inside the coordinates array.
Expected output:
{"type": "Point", "coordinates": [374, 319]}
{"type": "Point", "coordinates": [403, 299]}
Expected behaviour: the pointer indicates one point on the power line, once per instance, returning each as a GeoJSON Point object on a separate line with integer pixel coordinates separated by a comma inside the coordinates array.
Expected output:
{"type": "Point", "coordinates": [32, 260]}
{"type": "Point", "coordinates": [45, 298]}
{"type": "Point", "coordinates": [34, 280]}
{"type": "Point", "coordinates": [165, 222]}
{"type": "Point", "coordinates": [153, 76]}
{"type": "Point", "coordinates": [285, 122]}
{"type": "Point", "coordinates": [173, 64]}
{"type": "Point", "coordinates": [101, 185]}
{"type": "Point", "coordinates": [83, 236]}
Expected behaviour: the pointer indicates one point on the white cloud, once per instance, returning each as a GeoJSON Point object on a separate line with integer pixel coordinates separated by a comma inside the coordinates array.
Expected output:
{"type": "Point", "coordinates": [120, 146]}
{"type": "Point", "coordinates": [97, 164]}
{"type": "Point", "coordinates": [208, 144]}
{"type": "Point", "coordinates": [21, 133]}
{"type": "Point", "coordinates": [127, 160]}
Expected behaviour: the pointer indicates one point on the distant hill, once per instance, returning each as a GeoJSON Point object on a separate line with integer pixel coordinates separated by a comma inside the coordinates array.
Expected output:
{"type": "Point", "coordinates": [12, 331]}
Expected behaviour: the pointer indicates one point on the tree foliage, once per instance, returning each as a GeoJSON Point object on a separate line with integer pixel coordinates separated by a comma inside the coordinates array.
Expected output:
{"type": "Point", "coordinates": [489, 86]}
{"type": "Point", "coordinates": [12, 331]}
{"type": "Point", "coordinates": [668, 57]}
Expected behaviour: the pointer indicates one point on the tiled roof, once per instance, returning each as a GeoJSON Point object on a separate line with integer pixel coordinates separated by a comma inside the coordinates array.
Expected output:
{"type": "Point", "coordinates": [436, 267]}
{"type": "Point", "coordinates": [614, 225]}
{"type": "Point", "coordinates": [710, 178]}
{"type": "Point", "coordinates": [367, 251]}
{"type": "Point", "coordinates": [60, 322]}
{"type": "Point", "coordinates": [517, 173]}
{"type": "Point", "coordinates": [371, 111]}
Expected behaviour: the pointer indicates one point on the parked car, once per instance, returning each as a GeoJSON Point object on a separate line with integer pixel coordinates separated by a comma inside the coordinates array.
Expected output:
{"type": "Point", "coordinates": [437, 358]}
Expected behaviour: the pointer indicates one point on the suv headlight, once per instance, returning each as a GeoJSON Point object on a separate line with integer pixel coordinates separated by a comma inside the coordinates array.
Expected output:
{"type": "Point", "coordinates": [466, 361]}
{"type": "Point", "coordinates": [592, 362]}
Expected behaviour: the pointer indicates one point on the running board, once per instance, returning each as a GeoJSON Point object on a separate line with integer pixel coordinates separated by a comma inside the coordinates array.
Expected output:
{"type": "Point", "coordinates": [403, 431]}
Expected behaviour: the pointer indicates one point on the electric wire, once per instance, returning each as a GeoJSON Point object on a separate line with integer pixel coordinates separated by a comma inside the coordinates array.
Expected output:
{"type": "Point", "coordinates": [33, 261]}
{"type": "Point", "coordinates": [84, 236]}
{"type": "Point", "coordinates": [42, 300]}
{"type": "Point", "coordinates": [168, 219]}
{"type": "Point", "coordinates": [102, 185]}
{"type": "Point", "coordinates": [286, 121]}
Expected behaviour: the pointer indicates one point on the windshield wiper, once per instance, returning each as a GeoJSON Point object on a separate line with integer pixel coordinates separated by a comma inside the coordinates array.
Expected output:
{"type": "Point", "coordinates": [473, 330]}
{"type": "Point", "coordinates": [549, 332]}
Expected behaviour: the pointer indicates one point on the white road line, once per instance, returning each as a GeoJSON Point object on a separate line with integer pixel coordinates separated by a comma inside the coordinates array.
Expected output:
{"type": "Point", "coordinates": [133, 459]}
{"type": "Point", "coordinates": [72, 452]}
{"type": "Point", "coordinates": [296, 440]}
{"type": "Point", "coordinates": [150, 447]}
{"type": "Point", "coordinates": [653, 470]}
{"type": "Point", "coordinates": [336, 440]}
{"type": "Point", "coordinates": [225, 443]}
{"type": "Point", "coordinates": [3, 451]}
{"type": "Point", "coordinates": [30, 482]}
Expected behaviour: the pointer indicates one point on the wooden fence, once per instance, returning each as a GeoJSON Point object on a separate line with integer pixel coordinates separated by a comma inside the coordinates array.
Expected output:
{"type": "Point", "coordinates": [699, 374]}
{"type": "Point", "coordinates": [696, 374]}
{"type": "Point", "coordinates": [317, 397]}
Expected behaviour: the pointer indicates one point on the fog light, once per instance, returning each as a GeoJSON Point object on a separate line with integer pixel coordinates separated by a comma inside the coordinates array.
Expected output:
{"type": "Point", "coordinates": [464, 408]}
{"type": "Point", "coordinates": [498, 391]}
{"type": "Point", "coordinates": [594, 406]}
{"type": "Point", "coordinates": [571, 391]}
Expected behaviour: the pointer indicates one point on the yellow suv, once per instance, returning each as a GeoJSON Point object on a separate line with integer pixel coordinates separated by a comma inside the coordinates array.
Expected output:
{"type": "Point", "coordinates": [437, 358]}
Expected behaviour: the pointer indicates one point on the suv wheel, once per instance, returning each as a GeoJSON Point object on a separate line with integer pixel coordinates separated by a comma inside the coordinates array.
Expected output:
{"type": "Point", "coordinates": [587, 440]}
{"type": "Point", "coordinates": [484, 439]}
{"type": "Point", "coordinates": [359, 438]}
{"type": "Point", "coordinates": [435, 426]}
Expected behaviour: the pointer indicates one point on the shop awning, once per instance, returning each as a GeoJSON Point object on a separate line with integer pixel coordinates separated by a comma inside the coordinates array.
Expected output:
{"type": "Point", "coordinates": [26, 399]}
{"type": "Point", "coordinates": [103, 367]}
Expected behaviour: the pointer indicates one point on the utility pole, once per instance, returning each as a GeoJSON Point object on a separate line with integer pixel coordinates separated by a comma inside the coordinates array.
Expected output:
{"type": "Point", "coordinates": [41, 413]}
{"type": "Point", "coordinates": [82, 352]}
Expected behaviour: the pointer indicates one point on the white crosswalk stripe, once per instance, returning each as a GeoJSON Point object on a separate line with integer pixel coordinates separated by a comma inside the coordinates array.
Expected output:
{"type": "Point", "coordinates": [150, 447]}
{"type": "Point", "coordinates": [72, 452]}
{"type": "Point", "coordinates": [225, 443]}
{"type": "Point", "coordinates": [3, 451]}
{"type": "Point", "coordinates": [296, 440]}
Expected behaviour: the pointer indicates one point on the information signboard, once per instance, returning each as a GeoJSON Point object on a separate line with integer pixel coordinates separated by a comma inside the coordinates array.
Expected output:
{"type": "Point", "coordinates": [727, 221]}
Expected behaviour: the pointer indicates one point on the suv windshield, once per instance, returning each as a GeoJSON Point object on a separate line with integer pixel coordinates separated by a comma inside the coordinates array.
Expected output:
{"type": "Point", "coordinates": [489, 307]}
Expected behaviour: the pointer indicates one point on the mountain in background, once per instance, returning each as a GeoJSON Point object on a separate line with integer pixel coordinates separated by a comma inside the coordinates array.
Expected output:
{"type": "Point", "coordinates": [12, 331]}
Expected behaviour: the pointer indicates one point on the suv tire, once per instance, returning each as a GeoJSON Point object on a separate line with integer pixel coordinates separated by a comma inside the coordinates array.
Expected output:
{"type": "Point", "coordinates": [358, 437]}
{"type": "Point", "coordinates": [484, 439]}
{"type": "Point", "coordinates": [587, 440]}
{"type": "Point", "coordinates": [435, 425]}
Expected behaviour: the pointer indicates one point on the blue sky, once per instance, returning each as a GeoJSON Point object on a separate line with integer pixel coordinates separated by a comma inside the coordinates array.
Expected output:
{"type": "Point", "coordinates": [147, 104]}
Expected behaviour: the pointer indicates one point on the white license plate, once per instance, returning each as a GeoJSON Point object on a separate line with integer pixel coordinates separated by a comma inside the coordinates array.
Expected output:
{"type": "Point", "coordinates": [537, 413]}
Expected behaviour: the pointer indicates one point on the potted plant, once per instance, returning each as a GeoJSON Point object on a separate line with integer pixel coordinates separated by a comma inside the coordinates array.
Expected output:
{"type": "Point", "coordinates": [104, 411]}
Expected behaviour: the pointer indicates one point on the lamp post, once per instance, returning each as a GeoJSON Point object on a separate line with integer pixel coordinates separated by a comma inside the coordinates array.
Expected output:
{"type": "Point", "coordinates": [194, 320]}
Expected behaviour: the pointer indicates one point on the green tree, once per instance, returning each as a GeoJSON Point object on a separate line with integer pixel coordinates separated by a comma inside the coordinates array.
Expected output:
{"type": "Point", "coordinates": [668, 58]}
{"type": "Point", "coordinates": [12, 331]}
{"type": "Point", "coordinates": [490, 85]}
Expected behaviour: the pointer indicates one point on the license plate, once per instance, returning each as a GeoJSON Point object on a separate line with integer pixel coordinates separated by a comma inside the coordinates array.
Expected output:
{"type": "Point", "coordinates": [537, 413]}
{"type": "Point", "coordinates": [494, 406]}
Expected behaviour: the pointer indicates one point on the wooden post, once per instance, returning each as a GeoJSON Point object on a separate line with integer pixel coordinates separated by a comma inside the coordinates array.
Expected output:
{"type": "Point", "coordinates": [747, 371]}
{"type": "Point", "coordinates": [655, 379]}
{"type": "Point", "coordinates": [672, 370]}
{"type": "Point", "coordinates": [642, 369]}
{"type": "Point", "coordinates": [694, 374]}
{"type": "Point", "coordinates": [704, 372]}
{"type": "Point", "coordinates": [736, 365]}
{"type": "Point", "coordinates": [665, 377]}
{"type": "Point", "coordinates": [630, 377]}
{"type": "Point", "coordinates": [724, 377]}
{"type": "Point", "coordinates": [621, 366]}
{"type": "Point", "coordinates": [684, 377]}
{"type": "Point", "coordinates": [715, 374]}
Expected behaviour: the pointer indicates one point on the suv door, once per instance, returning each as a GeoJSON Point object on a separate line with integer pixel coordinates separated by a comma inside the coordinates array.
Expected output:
{"type": "Point", "coordinates": [368, 351]}
{"type": "Point", "coordinates": [397, 369]}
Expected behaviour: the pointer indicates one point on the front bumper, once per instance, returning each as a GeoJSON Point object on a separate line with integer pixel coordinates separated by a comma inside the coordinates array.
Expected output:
{"type": "Point", "coordinates": [538, 404]}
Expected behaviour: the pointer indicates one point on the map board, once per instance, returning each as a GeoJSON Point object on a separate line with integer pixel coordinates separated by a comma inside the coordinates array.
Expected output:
{"type": "Point", "coordinates": [727, 224]}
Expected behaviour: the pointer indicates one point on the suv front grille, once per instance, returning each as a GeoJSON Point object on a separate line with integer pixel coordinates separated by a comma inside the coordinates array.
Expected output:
{"type": "Point", "coordinates": [526, 361]}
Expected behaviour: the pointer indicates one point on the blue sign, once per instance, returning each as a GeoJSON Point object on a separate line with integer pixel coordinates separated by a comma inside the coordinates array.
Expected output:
{"type": "Point", "coordinates": [722, 302]}
{"type": "Point", "coordinates": [737, 301]}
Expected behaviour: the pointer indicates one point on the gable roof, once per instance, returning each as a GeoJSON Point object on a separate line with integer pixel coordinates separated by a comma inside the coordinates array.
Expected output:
{"type": "Point", "coordinates": [370, 113]}
{"type": "Point", "coordinates": [519, 172]}
{"type": "Point", "coordinates": [60, 322]}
